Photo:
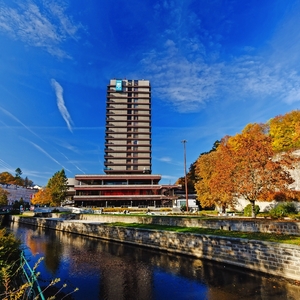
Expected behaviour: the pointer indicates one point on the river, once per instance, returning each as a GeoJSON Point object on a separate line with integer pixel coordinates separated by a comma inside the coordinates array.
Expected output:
{"type": "Point", "coordinates": [114, 271]}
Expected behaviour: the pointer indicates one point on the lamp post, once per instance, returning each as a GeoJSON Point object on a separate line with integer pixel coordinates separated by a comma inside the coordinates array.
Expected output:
{"type": "Point", "coordinates": [185, 178]}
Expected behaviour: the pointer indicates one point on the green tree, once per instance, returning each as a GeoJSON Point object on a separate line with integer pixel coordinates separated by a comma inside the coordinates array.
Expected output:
{"type": "Point", "coordinates": [58, 186]}
{"type": "Point", "coordinates": [28, 182]}
{"type": "Point", "coordinates": [18, 172]}
{"type": "Point", "coordinates": [3, 196]}
{"type": "Point", "coordinates": [191, 179]}
{"type": "Point", "coordinates": [192, 176]}
{"type": "Point", "coordinates": [16, 205]}
{"type": "Point", "coordinates": [18, 179]}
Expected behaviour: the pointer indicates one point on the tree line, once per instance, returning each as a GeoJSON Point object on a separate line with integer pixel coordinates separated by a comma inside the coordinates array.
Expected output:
{"type": "Point", "coordinates": [253, 164]}
{"type": "Point", "coordinates": [51, 195]}
{"type": "Point", "coordinates": [8, 178]}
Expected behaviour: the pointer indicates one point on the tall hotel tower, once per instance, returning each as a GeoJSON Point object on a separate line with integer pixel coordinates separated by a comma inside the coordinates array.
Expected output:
{"type": "Point", "coordinates": [128, 180]}
{"type": "Point", "coordinates": [128, 127]}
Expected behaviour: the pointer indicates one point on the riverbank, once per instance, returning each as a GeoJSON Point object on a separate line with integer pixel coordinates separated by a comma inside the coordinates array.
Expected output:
{"type": "Point", "coordinates": [267, 257]}
{"type": "Point", "coordinates": [244, 224]}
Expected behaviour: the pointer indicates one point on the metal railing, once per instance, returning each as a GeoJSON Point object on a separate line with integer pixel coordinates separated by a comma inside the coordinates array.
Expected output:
{"type": "Point", "coordinates": [34, 290]}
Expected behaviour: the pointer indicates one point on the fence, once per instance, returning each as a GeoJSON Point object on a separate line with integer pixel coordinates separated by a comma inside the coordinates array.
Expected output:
{"type": "Point", "coordinates": [34, 290]}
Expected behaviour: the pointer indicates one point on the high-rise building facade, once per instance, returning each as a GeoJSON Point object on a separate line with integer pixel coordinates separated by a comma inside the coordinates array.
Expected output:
{"type": "Point", "coordinates": [128, 181]}
{"type": "Point", "coordinates": [128, 127]}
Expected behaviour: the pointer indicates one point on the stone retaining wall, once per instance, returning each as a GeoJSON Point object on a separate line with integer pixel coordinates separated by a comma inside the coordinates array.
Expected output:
{"type": "Point", "coordinates": [272, 258]}
{"type": "Point", "coordinates": [258, 225]}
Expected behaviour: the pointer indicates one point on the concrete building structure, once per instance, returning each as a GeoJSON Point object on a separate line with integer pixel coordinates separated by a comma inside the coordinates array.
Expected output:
{"type": "Point", "coordinates": [128, 127]}
{"type": "Point", "coordinates": [123, 191]}
{"type": "Point", "coordinates": [127, 157]}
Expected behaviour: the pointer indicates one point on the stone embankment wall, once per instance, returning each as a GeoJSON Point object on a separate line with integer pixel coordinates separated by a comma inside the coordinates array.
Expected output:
{"type": "Point", "coordinates": [272, 258]}
{"type": "Point", "coordinates": [258, 225]}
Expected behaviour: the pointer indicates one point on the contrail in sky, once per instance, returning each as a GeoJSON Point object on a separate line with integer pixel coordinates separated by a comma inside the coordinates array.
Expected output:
{"type": "Point", "coordinates": [6, 165]}
{"type": "Point", "coordinates": [47, 154]}
{"type": "Point", "coordinates": [17, 120]}
{"type": "Point", "coordinates": [61, 103]}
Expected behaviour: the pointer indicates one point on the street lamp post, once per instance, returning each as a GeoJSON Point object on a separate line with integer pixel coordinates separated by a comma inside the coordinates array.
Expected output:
{"type": "Point", "coordinates": [185, 178]}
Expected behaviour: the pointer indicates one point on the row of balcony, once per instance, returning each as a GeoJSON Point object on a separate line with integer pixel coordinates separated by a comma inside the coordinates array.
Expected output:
{"type": "Point", "coordinates": [129, 112]}
{"type": "Point", "coordinates": [135, 137]}
{"type": "Point", "coordinates": [132, 142]}
{"type": "Point", "coordinates": [110, 131]}
{"type": "Point", "coordinates": [110, 163]}
{"type": "Point", "coordinates": [129, 107]}
{"type": "Point", "coordinates": [135, 93]}
{"type": "Point", "coordinates": [111, 171]}
{"type": "Point", "coordinates": [133, 124]}
{"type": "Point", "coordinates": [145, 95]}
{"type": "Point", "coordinates": [129, 155]}
{"type": "Point", "coordinates": [110, 119]}
{"type": "Point", "coordinates": [110, 150]}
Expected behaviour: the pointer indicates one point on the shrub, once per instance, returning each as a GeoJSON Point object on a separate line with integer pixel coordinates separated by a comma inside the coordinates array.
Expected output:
{"type": "Point", "coordinates": [9, 257]}
{"type": "Point", "coordinates": [248, 210]}
{"type": "Point", "coordinates": [283, 210]}
{"type": "Point", "coordinates": [183, 207]}
{"type": "Point", "coordinates": [165, 209]}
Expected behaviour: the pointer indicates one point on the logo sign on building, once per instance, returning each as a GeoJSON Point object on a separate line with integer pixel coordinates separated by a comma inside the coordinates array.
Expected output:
{"type": "Point", "coordinates": [119, 87]}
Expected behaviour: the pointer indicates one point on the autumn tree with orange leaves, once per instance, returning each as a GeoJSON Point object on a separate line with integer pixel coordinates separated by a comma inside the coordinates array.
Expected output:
{"type": "Point", "coordinates": [207, 195]}
{"type": "Point", "coordinates": [285, 131]}
{"type": "Point", "coordinates": [42, 197]}
{"type": "Point", "coordinates": [245, 166]}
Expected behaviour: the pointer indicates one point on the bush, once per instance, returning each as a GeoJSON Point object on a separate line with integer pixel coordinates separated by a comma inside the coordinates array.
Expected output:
{"type": "Point", "coordinates": [183, 207]}
{"type": "Point", "coordinates": [283, 210]}
{"type": "Point", "coordinates": [9, 258]}
{"type": "Point", "coordinates": [165, 209]}
{"type": "Point", "coordinates": [248, 210]}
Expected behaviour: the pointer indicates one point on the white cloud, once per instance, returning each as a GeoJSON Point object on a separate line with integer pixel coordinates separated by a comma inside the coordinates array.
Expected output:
{"type": "Point", "coordinates": [43, 25]}
{"type": "Point", "coordinates": [61, 103]}
{"type": "Point", "coordinates": [190, 85]}
{"type": "Point", "coordinates": [188, 70]}
{"type": "Point", "coordinates": [165, 159]}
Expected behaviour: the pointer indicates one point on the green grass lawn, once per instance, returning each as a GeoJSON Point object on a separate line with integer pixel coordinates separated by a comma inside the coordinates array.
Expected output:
{"type": "Point", "coordinates": [268, 237]}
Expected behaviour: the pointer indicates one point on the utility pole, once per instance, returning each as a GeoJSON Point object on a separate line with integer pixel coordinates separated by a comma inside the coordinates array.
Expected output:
{"type": "Point", "coordinates": [185, 177]}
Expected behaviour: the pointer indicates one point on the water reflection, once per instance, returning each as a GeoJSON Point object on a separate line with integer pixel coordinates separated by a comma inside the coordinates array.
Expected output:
{"type": "Point", "coordinates": [107, 270]}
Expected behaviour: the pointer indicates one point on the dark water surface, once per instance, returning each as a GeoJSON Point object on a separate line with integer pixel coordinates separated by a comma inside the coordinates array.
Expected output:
{"type": "Point", "coordinates": [114, 271]}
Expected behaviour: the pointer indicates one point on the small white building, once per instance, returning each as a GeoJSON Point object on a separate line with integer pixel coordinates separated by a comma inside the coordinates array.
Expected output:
{"type": "Point", "coordinates": [181, 201]}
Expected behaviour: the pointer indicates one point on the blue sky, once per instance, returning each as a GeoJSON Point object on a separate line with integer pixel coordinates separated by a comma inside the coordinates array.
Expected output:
{"type": "Point", "coordinates": [214, 66]}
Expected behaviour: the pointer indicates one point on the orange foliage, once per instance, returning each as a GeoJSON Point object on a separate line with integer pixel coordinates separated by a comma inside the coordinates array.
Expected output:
{"type": "Point", "coordinates": [243, 166]}
{"type": "Point", "coordinates": [6, 177]}
{"type": "Point", "coordinates": [42, 197]}
{"type": "Point", "coordinates": [285, 131]}
{"type": "Point", "coordinates": [206, 169]}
